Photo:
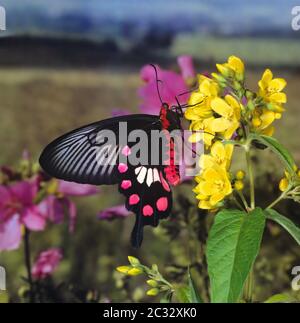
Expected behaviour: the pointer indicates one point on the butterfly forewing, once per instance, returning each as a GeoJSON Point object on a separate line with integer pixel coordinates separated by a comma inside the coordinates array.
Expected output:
{"type": "Point", "coordinates": [83, 156]}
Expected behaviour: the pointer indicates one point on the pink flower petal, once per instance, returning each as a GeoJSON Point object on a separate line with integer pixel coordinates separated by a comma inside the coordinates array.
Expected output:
{"type": "Point", "coordinates": [186, 65]}
{"type": "Point", "coordinates": [171, 85]}
{"type": "Point", "coordinates": [74, 189]}
{"type": "Point", "coordinates": [10, 234]}
{"type": "Point", "coordinates": [46, 263]}
{"type": "Point", "coordinates": [33, 219]}
{"type": "Point", "coordinates": [114, 212]}
{"type": "Point", "coordinates": [24, 191]}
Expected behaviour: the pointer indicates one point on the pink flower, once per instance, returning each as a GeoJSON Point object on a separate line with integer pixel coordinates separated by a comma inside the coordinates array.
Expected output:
{"type": "Point", "coordinates": [46, 263]}
{"type": "Point", "coordinates": [17, 208]}
{"type": "Point", "coordinates": [114, 212]}
{"type": "Point", "coordinates": [186, 65]}
{"type": "Point", "coordinates": [172, 85]}
{"type": "Point", "coordinates": [54, 207]}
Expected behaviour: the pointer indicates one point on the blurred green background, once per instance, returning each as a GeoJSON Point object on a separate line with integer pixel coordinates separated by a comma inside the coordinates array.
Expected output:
{"type": "Point", "coordinates": [64, 64]}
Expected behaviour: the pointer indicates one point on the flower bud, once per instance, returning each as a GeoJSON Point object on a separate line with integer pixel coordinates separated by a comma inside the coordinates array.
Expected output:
{"type": "Point", "coordinates": [239, 185]}
{"type": "Point", "coordinates": [283, 185]}
{"type": "Point", "coordinates": [152, 283]}
{"type": "Point", "coordinates": [153, 292]}
{"type": "Point", "coordinates": [123, 269]}
{"type": "Point", "coordinates": [134, 272]}
{"type": "Point", "coordinates": [240, 175]}
{"type": "Point", "coordinates": [133, 261]}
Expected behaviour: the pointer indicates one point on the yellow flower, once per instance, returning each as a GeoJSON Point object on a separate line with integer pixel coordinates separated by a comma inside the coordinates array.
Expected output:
{"type": "Point", "coordinates": [219, 154]}
{"type": "Point", "coordinates": [213, 186]}
{"type": "Point", "coordinates": [203, 131]}
{"type": "Point", "coordinates": [199, 100]}
{"type": "Point", "coordinates": [230, 112]}
{"type": "Point", "coordinates": [234, 66]}
{"type": "Point", "coordinates": [262, 121]}
{"type": "Point", "coordinates": [270, 89]}
{"type": "Point", "coordinates": [200, 112]}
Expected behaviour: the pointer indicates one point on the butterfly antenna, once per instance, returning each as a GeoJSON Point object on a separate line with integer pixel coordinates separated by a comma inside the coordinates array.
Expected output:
{"type": "Point", "coordinates": [157, 81]}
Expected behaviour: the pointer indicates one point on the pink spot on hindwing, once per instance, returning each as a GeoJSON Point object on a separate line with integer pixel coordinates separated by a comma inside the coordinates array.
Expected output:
{"type": "Point", "coordinates": [126, 151]}
{"type": "Point", "coordinates": [134, 199]}
{"type": "Point", "coordinates": [126, 184]}
{"type": "Point", "coordinates": [122, 168]}
{"type": "Point", "coordinates": [147, 210]}
{"type": "Point", "coordinates": [162, 204]}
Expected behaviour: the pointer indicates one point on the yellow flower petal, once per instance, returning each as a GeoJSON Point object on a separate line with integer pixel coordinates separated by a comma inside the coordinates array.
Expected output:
{"type": "Point", "coordinates": [216, 198]}
{"type": "Point", "coordinates": [267, 118]}
{"type": "Point", "coordinates": [278, 97]}
{"type": "Point", "coordinates": [277, 85]}
{"type": "Point", "coordinates": [221, 107]}
{"type": "Point", "coordinates": [220, 124]}
{"type": "Point", "coordinates": [236, 64]}
{"type": "Point", "coordinates": [218, 151]}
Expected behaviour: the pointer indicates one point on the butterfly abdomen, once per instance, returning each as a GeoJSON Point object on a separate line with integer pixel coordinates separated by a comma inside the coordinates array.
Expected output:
{"type": "Point", "coordinates": [171, 170]}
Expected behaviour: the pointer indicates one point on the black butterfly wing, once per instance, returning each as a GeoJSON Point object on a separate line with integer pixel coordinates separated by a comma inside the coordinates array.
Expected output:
{"type": "Point", "coordinates": [75, 157]}
{"type": "Point", "coordinates": [148, 195]}
{"type": "Point", "coordinates": [78, 155]}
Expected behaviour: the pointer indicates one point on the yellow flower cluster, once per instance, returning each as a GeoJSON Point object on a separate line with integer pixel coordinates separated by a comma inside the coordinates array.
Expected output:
{"type": "Point", "coordinates": [271, 105]}
{"type": "Point", "coordinates": [222, 109]}
{"type": "Point", "coordinates": [286, 181]}
{"type": "Point", "coordinates": [214, 180]}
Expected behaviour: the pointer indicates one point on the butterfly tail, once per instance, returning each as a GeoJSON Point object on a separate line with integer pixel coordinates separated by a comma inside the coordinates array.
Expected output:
{"type": "Point", "coordinates": [137, 232]}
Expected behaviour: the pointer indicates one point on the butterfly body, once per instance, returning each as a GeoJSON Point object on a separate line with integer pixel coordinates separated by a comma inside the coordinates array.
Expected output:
{"type": "Point", "coordinates": [78, 156]}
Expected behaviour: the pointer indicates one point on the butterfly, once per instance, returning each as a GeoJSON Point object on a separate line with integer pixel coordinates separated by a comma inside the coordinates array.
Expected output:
{"type": "Point", "coordinates": [78, 156]}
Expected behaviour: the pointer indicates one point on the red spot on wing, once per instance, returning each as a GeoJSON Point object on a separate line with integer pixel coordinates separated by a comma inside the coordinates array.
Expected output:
{"type": "Point", "coordinates": [162, 204]}
{"type": "Point", "coordinates": [126, 184]}
{"type": "Point", "coordinates": [134, 199]}
{"type": "Point", "coordinates": [147, 210]}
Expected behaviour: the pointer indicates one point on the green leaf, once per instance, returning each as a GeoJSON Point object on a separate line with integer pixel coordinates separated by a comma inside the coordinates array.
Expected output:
{"type": "Point", "coordinates": [283, 154]}
{"type": "Point", "coordinates": [280, 298]}
{"type": "Point", "coordinates": [194, 294]}
{"type": "Point", "coordinates": [233, 245]}
{"type": "Point", "coordinates": [189, 294]}
{"type": "Point", "coordinates": [286, 223]}
{"type": "Point", "coordinates": [183, 294]}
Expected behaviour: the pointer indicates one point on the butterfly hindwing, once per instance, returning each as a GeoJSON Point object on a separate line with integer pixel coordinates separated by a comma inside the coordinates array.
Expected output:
{"type": "Point", "coordinates": [148, 195]}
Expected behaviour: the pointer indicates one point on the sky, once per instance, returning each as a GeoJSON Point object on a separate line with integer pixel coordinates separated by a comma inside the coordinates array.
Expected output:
{"type": "Point", "coordinates": [227, 14]}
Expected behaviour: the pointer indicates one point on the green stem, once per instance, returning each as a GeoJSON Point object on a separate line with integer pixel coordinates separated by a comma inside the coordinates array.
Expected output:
{"type": "Point", "coordinates": [28, 264]}
{"type": "Point", "coordinates": [250, 279]}
{"type": "Point", "coordinates": [242, 197]}
{"type": "Point", "coordinates": [281, 197]}
{"type": "Point", "coordinates": [251, 178]}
